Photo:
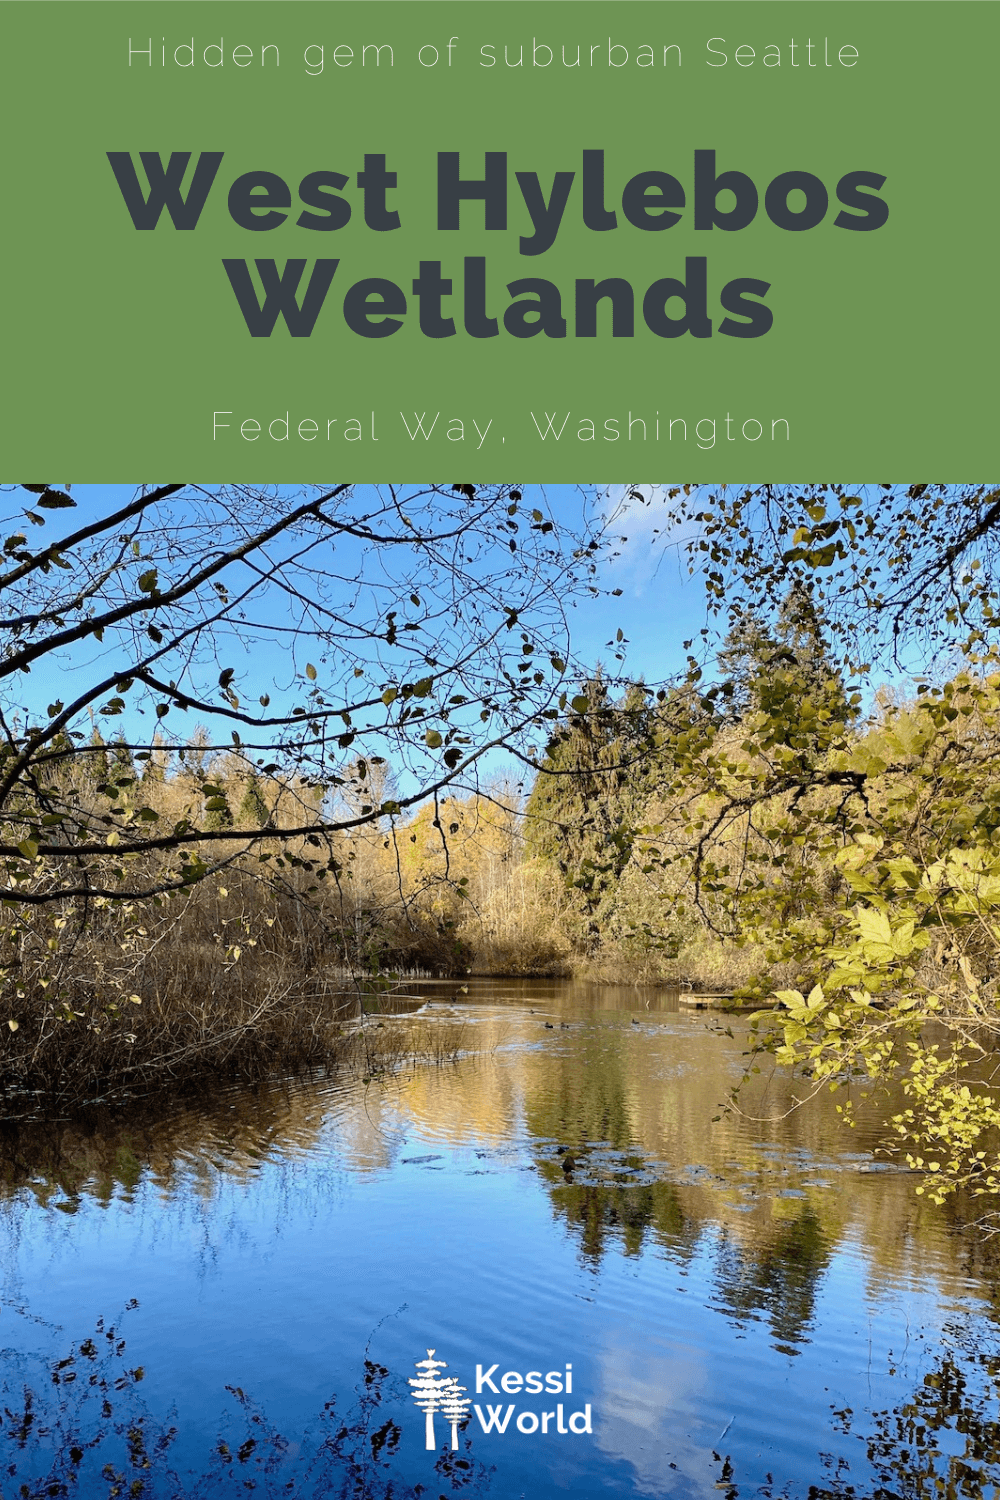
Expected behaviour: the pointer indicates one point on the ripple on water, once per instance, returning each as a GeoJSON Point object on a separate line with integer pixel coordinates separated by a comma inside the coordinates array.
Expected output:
{"type": "Point", "coordinates": [706, 1277]}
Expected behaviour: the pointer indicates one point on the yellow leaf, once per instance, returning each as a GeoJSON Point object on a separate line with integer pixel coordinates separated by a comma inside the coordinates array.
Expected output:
{"type": "Point", "coordinates": [874, 925]}
{"type": "Point", "coordinates": [13, 1025]}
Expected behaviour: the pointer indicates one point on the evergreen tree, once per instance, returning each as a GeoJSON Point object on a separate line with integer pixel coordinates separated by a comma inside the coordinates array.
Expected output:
{"type": "Point", "coordinates": [195, 754]}
{"type": "Point", "coordinates": [121, 762]}
{"type": "Point", "coordinates": [787, 673]}
{"type": "Point", "coordinates": [801, 633]}
{"type": "Point", "coordinates": [154, 769]}
{"type": "Point", "coordinates": [253, 810]}
{"type": "Point", "coordinates": [430, 1391]}
{"type": "Point", "coordinates": [218, 813]}
{"type": "Point", "coordinates": [98, 765]}
{"type": "Point", "coordinates": [746, 655]}
{"type": "Point", "coordinates": [589, 790]}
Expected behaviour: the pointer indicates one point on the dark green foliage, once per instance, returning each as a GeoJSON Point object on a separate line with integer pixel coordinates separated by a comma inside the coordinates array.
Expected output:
{"type": "Point", "coordinates": [97, 760]}
{"type": "Point", "coordinates": [78, 1426]}
{"type": "Point", "coordinates": [120, 758]}
{"type": "Point", "coordinates": [589, 790]}
{"type": "Point", "coordinates": [154, 766]}
{"type": "Point", "coordinates": [786, 671]}
{"type": "Point", "coordinates": [253, 810]}
{"type": "Point", "coordinates": [218, 813]}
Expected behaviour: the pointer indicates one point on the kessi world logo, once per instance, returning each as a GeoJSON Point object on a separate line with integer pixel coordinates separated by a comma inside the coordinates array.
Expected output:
{"type": "Point", "coordinates": [438, 1394]}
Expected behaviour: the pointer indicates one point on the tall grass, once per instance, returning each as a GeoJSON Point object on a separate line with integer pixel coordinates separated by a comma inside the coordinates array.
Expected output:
{"type": "Point", "coordinates": [245, 978]}
{"type": "Point", "coordinates": [257, 970]}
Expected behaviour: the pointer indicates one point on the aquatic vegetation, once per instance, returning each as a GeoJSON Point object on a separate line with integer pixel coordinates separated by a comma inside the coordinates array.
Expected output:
{"type": "Point", "coordinates": [78, 1426]}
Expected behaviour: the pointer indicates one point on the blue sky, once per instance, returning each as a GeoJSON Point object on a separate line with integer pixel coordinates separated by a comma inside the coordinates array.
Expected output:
{"type": "Point", "coordinates": [645, 593]}
{"type": "Point", "coordinates": [656, 609]}
{"type": "Point", "coordinates": [660, 606]}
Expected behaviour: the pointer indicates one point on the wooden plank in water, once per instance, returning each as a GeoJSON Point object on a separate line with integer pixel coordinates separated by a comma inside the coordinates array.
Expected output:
{"type": "Point", "coordinates": [709, 1002]}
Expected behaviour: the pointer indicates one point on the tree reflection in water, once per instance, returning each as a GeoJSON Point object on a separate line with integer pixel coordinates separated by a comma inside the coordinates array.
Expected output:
{"type": "Point", "coordinates": [603, 1216]}
{"type": "Point", "coordinates": [941, 1444]}
{"type": "Point", "coordinates": [768, 1223]}
{"type": "Point", "coordinates": [776, 1278]}
{"type": "Point", "coordinates": [80, 1428]}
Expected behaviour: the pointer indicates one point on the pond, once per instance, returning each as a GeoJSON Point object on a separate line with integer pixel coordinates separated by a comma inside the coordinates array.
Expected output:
{"type": "Point", "coordinates": [230, 1297]}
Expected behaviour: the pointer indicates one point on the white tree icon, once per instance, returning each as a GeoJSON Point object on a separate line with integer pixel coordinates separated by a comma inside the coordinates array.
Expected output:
{"type": "Point", "coordinates": [454, 1407]}
{"type": "Point", "coordinates": [429, 1390]}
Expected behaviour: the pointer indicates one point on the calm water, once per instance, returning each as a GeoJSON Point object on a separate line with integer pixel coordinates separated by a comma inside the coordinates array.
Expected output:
{"type": "Point", "coordinates": [745, 1309]}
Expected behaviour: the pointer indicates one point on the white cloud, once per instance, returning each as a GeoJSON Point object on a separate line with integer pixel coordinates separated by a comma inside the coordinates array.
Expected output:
{"type": "Point", "coordinates": [650, 546]}
{"type": "Point", "coordinates": [650, 1401]}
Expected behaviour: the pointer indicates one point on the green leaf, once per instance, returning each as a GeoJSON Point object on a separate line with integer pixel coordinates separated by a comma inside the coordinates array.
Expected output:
{"type": "Point", "coordinates": [433, 739]}
{"type": "Point", "coordinates": [580, 704]}
{"type": "Point", "coordinates": [310, 671]}
{"type": "Point", "coordinates": [874, 926]}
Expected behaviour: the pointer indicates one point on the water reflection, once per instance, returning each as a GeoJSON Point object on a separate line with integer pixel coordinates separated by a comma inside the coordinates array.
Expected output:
{"type": "Point", "coordinates": [625, 1218]}
{"type": "Point", "coordinates": [81, 1426]}
{"type": "Point", "coordinates": [776, 1279]}
{"type": "Point", "coordinates": [563, 1191]}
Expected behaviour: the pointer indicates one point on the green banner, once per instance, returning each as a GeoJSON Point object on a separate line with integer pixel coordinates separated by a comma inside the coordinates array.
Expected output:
{"type": "Point", "coordinates": [567, 241]}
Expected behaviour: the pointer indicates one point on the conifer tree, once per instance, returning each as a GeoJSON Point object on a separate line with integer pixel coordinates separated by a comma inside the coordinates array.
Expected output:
{"type": "Point", "coordinates": [218, 813]}
{"type": "Point", "coordinates": [121, 762]}
{"type": "Point", "coordinates": [785, 672]}
{"type": "Point", "coordinates": [253, 810]}
{"type": "Point", "coordinates": [589, 790]}
{"type": "Point", "coordinates": [97, 759]}
{"type": "Point", "coordinates": [155, 766]}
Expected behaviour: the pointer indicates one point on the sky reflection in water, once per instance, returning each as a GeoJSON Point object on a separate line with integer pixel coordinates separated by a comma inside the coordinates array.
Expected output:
{"type": "Point", "coordinates": [718, 1287]}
